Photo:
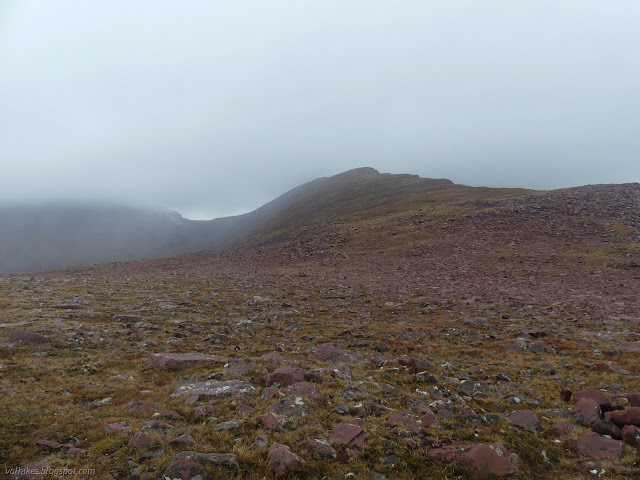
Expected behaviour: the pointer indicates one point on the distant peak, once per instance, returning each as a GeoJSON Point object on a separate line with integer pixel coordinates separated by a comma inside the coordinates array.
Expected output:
{"type": "Point", "coordinates": [359, 172]}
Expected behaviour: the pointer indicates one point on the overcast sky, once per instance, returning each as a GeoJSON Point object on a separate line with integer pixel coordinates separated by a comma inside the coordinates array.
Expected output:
{"type": "Point", "coordinates": [215, 107]}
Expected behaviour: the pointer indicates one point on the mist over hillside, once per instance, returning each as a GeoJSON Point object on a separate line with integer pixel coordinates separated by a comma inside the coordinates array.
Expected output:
{"type": "Point", "coordinates": [37, 237]}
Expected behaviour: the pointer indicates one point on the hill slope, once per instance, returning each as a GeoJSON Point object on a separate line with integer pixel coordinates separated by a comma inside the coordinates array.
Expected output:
{"type": "Point", "coordinates": [58, 235]}
{"type": "Point", "coordinates": [474, 322]}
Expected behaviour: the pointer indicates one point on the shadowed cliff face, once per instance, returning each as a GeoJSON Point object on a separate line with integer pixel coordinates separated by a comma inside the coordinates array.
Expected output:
{"type": "Point", "coordinates": [37, 237]}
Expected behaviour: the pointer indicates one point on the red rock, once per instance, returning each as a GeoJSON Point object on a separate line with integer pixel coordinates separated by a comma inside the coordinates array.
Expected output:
{"type": "Point", "coordinates": [271, 421]}
{"type": "Point", "coordinates": [409, 363]}
{"type": "Point", "coordinates": [331, 354]}
{"type": "Point", "coordinates": [113, 427]}
{"type": "Point", "coordinates": [429, 420]}
{"type": "Point", "coordinates": [483, 459]}
{"type": "Point", "coordinates": [600, 398]}
{"type": "Point", "coordinates": [634, 399]}
{"type": "Point", "coordinates": [285, 376]}
{"type": "Point", "coordinates": [270, 392]}
{"type": "Point", "coordinates": [182, 440]}
{"type": "Point", "coordinates": [301, 389]}
{"type": "Point", "coordinates": [74, 451]}
{"type": "Point", "coordinates": [565, 395]}
{"type": "Point", "coordinates": [321, 447]}
{"type": "Point", "coordinates": [228, 425]}
{"type": "Point", "coordinates": [157, 425]}
{"type": "Point", "coordinates": [597, 446]}
{"type": "Point", "coordinates": [141, 440]}
{"type": "Point", "coordinates": [631, 436]}
{"type": "Point", "coordinates": [172, 414]}
{"type": "Point", "coordinates": [228, 460]}
{"type": "Point", "coordinates": [560, 429]}
{"type": "Point", "coordinates": [587, 412]}
{"type": "Point", "coordinates": [606, 427]}
{"type": "Point", "coordinates": [280, 459]}
{"type": "Point", "coordinates": [628, 416]}
{"type": "Point", "coordinates": [183, 469]}
{"type": "Point", "coordinates": [348, 434]}
{"type": "Point", "coordinates": [142, 406]}
{"type": "Point", "coordinates": [409, 420]}
{"type": "Point", "coordinates": [31, 338]}
{"type": "Point", "coordinates": [490, 459]}
{"type": "Point", "coordinates": [242, 408]}
{"type": "Point", "coordinates": [50, 444]}
{"type": "Point", "coordinates": [181, 360]}
{"type": "Point", "coordinates": [526, 419]}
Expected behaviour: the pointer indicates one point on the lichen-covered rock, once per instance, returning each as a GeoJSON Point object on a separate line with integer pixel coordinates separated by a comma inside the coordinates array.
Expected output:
{"type": "Point", "coordinates": [213, 388]}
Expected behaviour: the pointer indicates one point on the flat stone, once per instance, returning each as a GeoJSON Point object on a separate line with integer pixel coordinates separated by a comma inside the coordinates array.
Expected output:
{"type": "Point", "coordinates": [182, 440]}
{"type": "Point", "coordinates": [597, 446]}
{"type": "Point", "coordinates": [49, 444]}
{"type": "Point", "coordinates": [181, 360]}
{"type": "Point", "coordinates": [228, 425]}
{"type": "Point", "coordinates": [228, 460]}
{"type": "Point", "coordinates": [331, 354]}
{"type": "Point", "coordinates": [142, 406]}
{"type": "Point", "coordinates": [600, 398]}
{"type": "Point", "coordinates": [117, 426]}
{"type": "Point", "coordinates": [483, 458]}
{"type": "Point", "coordinates": [290, 407]}
{"type": "Point", "coordinates": [30, 338]}
{"type": "Point", "coordinates": [184, 468]}
{"type": "Point", "coordinates": [157, 425]}
{"type": "Point", "coordinates": [300, 389]}
{"type": "Point", "coordinates": [141, 440]}
{"type": "Point", "coordinates": [526, 419]}
{"type": "Point", "coordinates": [348, 434]}
{"type": "Point", "coordinates": [284, 376]}
{"type": "Point", "coordinates": [562, 429]}
{"type": "Point", "coordinates": [214, 389]}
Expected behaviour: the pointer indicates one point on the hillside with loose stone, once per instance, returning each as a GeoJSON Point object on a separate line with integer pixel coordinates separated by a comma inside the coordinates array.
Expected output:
{"type": "Point", "coordinates": [468, 338]}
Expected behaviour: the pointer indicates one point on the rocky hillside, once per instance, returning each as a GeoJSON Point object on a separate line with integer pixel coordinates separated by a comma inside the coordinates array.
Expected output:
{"type": "Point", "coordinates": [38, 237]}
{"type": "Point", "coordinates": [470, 339]}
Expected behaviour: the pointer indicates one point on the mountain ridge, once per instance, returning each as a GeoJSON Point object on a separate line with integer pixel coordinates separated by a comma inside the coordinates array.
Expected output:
{"type": "Point", "coordinates": [54, 236]}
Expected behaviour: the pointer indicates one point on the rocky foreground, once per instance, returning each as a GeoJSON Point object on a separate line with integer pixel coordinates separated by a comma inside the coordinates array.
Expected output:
{"type": "Point", "coordinates": [470, 340]}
